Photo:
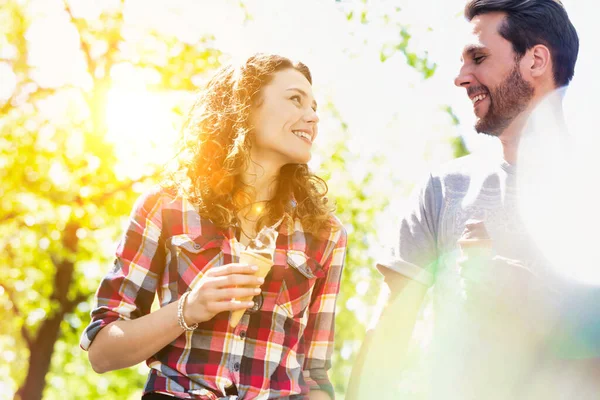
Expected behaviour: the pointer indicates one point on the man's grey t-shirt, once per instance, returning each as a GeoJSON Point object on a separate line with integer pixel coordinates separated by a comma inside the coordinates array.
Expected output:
{"type": "Point", "coordinates": [469, 187]}
{"type": "Point", "coordinates": [461, 355]}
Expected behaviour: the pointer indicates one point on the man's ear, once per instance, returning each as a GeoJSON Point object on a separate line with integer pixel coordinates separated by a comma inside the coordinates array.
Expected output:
{"type": "Point", "coordinates": [540, 61]}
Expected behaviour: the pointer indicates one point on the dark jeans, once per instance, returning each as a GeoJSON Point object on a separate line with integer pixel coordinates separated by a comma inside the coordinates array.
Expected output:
{"type": "Point", "coordinates": [159, 396]}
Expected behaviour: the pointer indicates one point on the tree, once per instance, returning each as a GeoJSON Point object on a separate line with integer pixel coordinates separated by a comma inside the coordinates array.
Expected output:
{"type": "Point", "coordinates": [356, 206]}
{"type": "Point", "coordinates": [362, 200]}
{"type": "Point", "coordinates": [62, 199]}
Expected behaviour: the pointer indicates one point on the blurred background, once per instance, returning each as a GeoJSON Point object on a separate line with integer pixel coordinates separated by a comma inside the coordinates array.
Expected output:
{"type": "Point", "coordinates": [92, 95]}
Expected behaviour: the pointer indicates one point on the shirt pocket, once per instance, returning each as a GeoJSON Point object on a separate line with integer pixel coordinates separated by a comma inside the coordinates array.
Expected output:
{"type": "Point", "coordinates": [189, 258]}
{"type": "Point", "coordinates": [297, 283]}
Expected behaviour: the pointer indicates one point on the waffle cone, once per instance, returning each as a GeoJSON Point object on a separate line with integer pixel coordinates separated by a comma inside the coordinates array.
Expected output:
{"type": "Point", "coordinates": [264, 266]}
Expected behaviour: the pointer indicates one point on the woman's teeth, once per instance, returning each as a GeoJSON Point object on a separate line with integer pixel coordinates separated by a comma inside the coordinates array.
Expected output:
{"type": "Point", "coordinates": [303, 135]}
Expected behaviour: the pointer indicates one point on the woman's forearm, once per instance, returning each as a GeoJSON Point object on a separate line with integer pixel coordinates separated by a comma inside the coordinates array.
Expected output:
{"type": "Point", "coordinates": [122, 344]}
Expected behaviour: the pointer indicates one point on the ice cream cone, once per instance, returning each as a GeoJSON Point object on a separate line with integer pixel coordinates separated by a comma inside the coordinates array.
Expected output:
{"type": "Point", "coordinates": [260, 252]}
{"type": "Point", "coordinates": [264, 265]}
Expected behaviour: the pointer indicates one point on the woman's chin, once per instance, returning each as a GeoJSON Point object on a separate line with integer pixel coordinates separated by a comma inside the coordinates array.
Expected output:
{"type": "Point", "coordinates": [300, 159]}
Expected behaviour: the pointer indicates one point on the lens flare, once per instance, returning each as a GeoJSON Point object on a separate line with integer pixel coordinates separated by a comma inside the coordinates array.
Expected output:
{"type": "Point", "coordinates": [556, 174]}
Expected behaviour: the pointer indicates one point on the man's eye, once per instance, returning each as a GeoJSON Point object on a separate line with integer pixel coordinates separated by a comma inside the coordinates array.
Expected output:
{"type": "Point", "coordinates": [479, 59]}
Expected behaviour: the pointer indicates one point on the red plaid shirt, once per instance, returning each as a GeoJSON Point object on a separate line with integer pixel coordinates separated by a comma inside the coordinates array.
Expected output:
{"type": "Point", "coordinates": [281, 350]}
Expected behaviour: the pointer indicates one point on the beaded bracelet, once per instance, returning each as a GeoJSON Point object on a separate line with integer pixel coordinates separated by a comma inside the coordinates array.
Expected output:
{"type": "Point", "coordinates": [180, 319]}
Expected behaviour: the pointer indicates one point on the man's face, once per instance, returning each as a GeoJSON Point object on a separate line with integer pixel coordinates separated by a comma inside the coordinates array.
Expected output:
{"type": "Point", "coordinates": [492, 76]}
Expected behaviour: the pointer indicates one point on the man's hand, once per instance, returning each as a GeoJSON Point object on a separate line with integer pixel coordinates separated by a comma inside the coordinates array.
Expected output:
{"type": "Point", "coordinates": [504, 288]}
{"type": "Point", "coordinates": [498, 280]}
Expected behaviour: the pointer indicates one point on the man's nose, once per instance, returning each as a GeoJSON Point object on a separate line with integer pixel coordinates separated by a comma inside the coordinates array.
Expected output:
{"type": "Point", "coordinates": [464, 78]}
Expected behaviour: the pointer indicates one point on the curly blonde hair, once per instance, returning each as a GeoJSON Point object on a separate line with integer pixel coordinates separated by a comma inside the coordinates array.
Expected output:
{"type": "Point", "coordinates": [215, 151]}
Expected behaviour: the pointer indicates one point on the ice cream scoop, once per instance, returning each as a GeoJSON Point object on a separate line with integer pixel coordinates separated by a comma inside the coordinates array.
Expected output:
{"type": "Point", "coordinates": [264, 243]}
{"type": "Point", "coordinates": [260, 252]}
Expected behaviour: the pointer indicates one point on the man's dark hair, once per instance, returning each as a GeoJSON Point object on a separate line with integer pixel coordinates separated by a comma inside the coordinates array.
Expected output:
{"type": "Point", "coordinates": [532, 22]}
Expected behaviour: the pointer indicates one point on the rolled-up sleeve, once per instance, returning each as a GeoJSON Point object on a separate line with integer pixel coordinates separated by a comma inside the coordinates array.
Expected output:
{"type": "Point", "coordinates": [128, 290]}
{"type": "Point", "coordinates": [416, 256]}
{"type": "Point", "coordinates": [319, 332]}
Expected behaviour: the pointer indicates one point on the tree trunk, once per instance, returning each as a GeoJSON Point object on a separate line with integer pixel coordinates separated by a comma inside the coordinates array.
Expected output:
{"type": "Point", "coordinates": [41, 350]}
{"type": "Point", "coordinates": [42, 347]}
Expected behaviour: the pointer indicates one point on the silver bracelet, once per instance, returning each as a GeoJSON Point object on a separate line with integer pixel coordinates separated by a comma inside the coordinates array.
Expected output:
{"type": "Point", "coordinates": [180, 319]}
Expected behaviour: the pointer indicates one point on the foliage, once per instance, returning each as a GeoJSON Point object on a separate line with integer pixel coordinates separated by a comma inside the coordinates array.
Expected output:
{"type": "Point", "coordinates": [63, 200]}
{"type": "Point", "coordinates": [356, 207]}
{"type": "Point", "coordinates": [459, 148]}
{"type": "Point", "coordinates": [390, 15]}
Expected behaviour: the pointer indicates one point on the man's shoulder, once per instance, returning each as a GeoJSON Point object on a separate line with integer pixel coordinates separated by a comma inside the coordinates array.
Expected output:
{"type": "Point", "coordinates": [463, 166]}
{"type": "Point", "coordinates": [462, 170]}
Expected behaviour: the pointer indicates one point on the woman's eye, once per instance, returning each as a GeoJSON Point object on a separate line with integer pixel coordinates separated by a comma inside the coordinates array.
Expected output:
{"type": "Point", "coordinates": [296, 98]}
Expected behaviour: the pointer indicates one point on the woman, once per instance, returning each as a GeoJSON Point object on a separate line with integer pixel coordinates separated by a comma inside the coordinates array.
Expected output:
{"type": "Point", "coordinates": [242, 169]}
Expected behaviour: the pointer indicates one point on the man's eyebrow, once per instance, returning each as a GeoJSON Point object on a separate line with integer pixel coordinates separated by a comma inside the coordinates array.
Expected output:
{"type": "Point", "coordinates": [471, 49]}
{"type": "Point", "coordinates": [303, 93]}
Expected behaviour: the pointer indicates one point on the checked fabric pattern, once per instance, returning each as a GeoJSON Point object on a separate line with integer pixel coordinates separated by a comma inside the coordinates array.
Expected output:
{"type": "Point", "coordinates": [281, 350]}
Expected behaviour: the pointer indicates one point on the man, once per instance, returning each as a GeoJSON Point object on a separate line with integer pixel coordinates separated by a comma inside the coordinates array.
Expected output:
{"type": "Point", "coordinates": [495, 333]}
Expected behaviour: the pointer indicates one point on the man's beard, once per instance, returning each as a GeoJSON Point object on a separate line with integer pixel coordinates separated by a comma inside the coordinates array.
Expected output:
{"type": "Point", "coordinates": [509, 99]}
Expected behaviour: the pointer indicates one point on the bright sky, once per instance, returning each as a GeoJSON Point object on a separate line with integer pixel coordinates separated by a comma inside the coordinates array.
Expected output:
{"type": "Point", "coordinates": [383, 103]}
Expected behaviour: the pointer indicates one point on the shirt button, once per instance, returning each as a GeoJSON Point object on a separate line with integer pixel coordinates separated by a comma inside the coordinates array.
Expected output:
{"type": "Point", "coordinates": [243, 334]}
{"type": "Point", "coordinates": [236, 366]}
{"type": "Point", "coordinates": [196, 246]}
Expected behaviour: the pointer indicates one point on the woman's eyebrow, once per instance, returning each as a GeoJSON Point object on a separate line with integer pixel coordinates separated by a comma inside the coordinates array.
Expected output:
{"type": "Point", "coordinates": [303, 93]}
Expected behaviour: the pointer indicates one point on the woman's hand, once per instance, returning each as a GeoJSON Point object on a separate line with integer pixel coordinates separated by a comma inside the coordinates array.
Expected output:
{"type": "Point", "coordinates": [124, 343]}
{"type": "Point", "coordinates": [216, 289]}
